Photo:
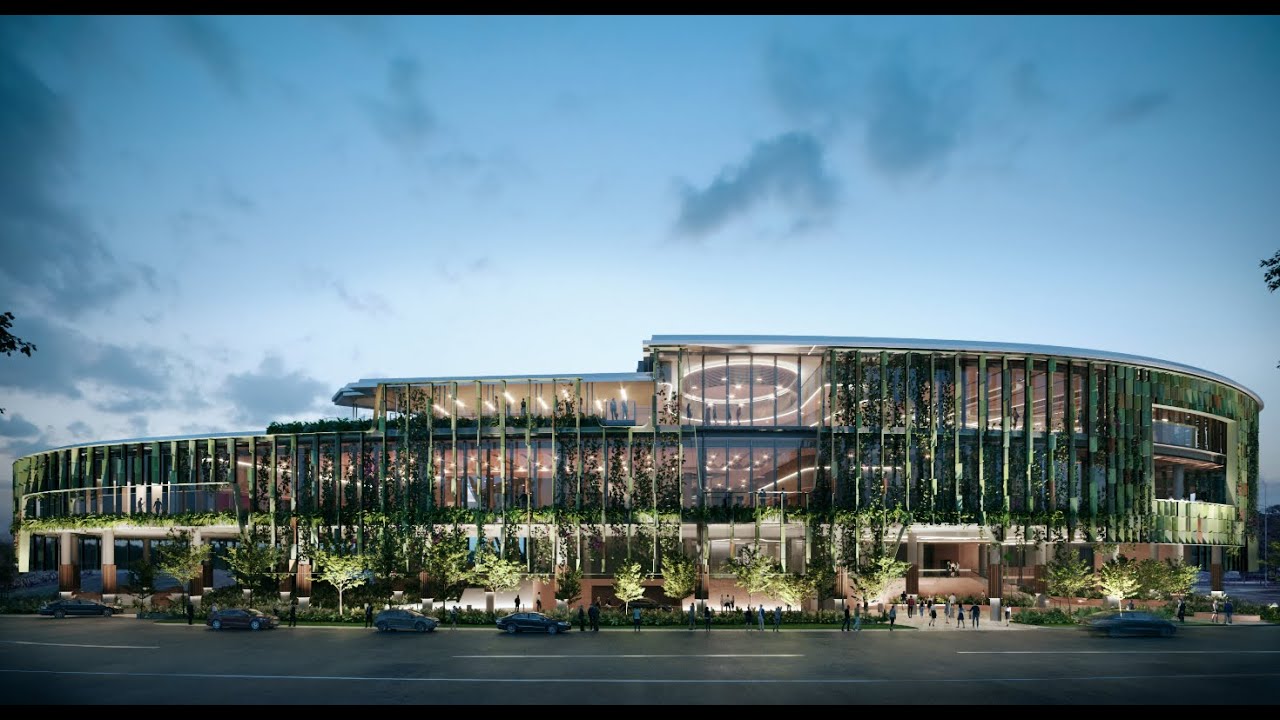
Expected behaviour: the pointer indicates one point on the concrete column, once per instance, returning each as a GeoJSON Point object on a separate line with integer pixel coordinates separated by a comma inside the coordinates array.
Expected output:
{"type": "Point", "coordinates": [913, 572]}
{"type": "Point", "coordinates": [1179, 483]}
{"type": "Point", "coordinates": [196, 584]}
{"type": "Point", "coordinates": [995, 580]}
{"type": "Point", "coordinates": [68, 565]}
{"type": "Point", "coordinates": [108, 552]}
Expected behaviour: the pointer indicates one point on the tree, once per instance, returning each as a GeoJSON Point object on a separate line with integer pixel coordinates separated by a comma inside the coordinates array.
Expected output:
{"type": "Point", "coordinates": [1272, 276]}
{"type": "Point", "coordinates": [753, 570]}
{"type": "Point", "coordinates": [10, 343]}
{"type": "Point", "coordinates": [142, 581]}
{"type": "Point", "coordinates": [792, 589]}
{"type": "Point", "coordinates": [1119, 578]}
{"type": "Point", "coordinates": [1153, 578]}
{"type": "Point", "coordinates": [679, 576]}
{"type": "Point", "coordinates": [8, 567]}
{"type": "Point", "coordinates": [181, 558]}
{"type": "Point", "coordinates": [870, 579]}
{"type": "Point", "coordinates": [569, 585]}
{"type": "Point", "coordinates": [445, 562]}
{"type": "Point", "coordinates": [1068, 574]}
{"type": "Point", "coordinates": [343, 571]}
{"type": "Point", "coordinates": [628, 582]}
{"type": "Point", "coordinates": [1181, 577]}
{"type": "Point", "coordinates": [494, 572]}
{"type": "Point", "coordinates": [253, 560]}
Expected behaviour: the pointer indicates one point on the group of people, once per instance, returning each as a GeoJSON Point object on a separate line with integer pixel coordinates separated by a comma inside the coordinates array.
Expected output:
{"type": "Point", "coordinates": [593, 614]}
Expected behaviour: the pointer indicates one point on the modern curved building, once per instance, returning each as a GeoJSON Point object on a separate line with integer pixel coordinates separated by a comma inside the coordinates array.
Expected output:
{"type": "Point", "coordinates": [968, 455]}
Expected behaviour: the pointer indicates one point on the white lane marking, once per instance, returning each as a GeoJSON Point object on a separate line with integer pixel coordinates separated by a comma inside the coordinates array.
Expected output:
{"type": "Point", "coordinates": [1117, 652]}
{"type": "Point", "coordinates": [679, 655]}
{"type": "Point", "coordinates": [645, 681]}
{"type": "Point", "coordinates": [80, 645]}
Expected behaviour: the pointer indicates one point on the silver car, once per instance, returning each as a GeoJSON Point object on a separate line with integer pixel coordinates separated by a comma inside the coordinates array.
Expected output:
{"type": "Point", "coordinates": [403, 619]}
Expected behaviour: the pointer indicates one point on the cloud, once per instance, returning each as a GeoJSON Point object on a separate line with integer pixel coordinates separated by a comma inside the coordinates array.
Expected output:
{"type": "Point", "coordinates": [807, 83]}
{"type": "Point", "coordinates": [449, 275]}
{"type": "Point", "coordinates": [1136, 107]}
{"type": "Point", "coordinates": [271, 393]}
{"type": "Point", "coordinates": [68, 361]}
{"type": "Point", "coordinates": [14, 426]}
{"type": "Point", "coordinates": [368, 302]}
{"type": "Point", "coordinates": [912, 126]}
{"type": "Point", "coordinates": [52, 258]}
{"type": "Point", "coordinates": [236, 200]}
{"type": "Point", "coordinates": [788, 168]}
{"type": "Point", "coordinates": [80, 430]}
{"type": "Point", "coordinates": [212, 48]}
{"type": "Point", "coordinates": [402, 118]}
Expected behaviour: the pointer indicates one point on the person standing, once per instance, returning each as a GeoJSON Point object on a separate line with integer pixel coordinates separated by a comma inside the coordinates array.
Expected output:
{"type": "Point", "coordinates": [1227, 609]}
{"type": "Point", "coordinates": [857, 621]}
{"type": "Point", "coordinates": [635, 617]}
{"type": "Point", "coordinates": [760, 613]}
{"type": "Point", "coordinates": [1182, 611]}
{"type": "Point", "coordinates": [933, 614]}
{"type": "Point", "coordinates": [537, 603]}
{"type": "Point", "coordinates": [706, 616]}
{"type": "Point", "coordinates": [960, 617]}
{"type": "Point", "coordinates": [613, 408]}
{"type": "Point", "coordinates": [582, 618]}
{"type": "Point", "coordinates": [911, 606]}
{"type": "Point", "coordinates": [893, 615]}
{"type": "Point", "coordinates": [1214, 617]}
{"type": "Point", "coordinates": [973, 614]}
{"type": "Point", "coordinates": [777, 618]}
{"type": "Point", "coordinates": [693, 616]}
{"type": "Point", "coordinates": [293, 613]}
{"type": "Point", "coordinates": [1008, 613]}
{"type": "Point", "coordinates": [746, 619]}
{"type": "Point", "coordinates": [594, 613]}
{"type": "Point", "coordinates": [191, 613]}
{"type": "Point", "coordinates": [368, 615]}
{"type": "Point", "coordinates": [453, 617]}
{"type": "Point", "coordinates": [845, 626]}
{"type": "Point", "coordinates": [951, 606]}
{"type": "Point", "coordinates": [517, 603]}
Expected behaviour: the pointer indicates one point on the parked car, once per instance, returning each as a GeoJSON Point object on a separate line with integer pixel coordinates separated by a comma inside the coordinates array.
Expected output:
{"type": "Point", "coordinates": [245, 618]}
{"type": "Point", "coordinates": [404, 619]}
{"type": "Point", "coordinates": [1114, 623]}
{"type": "Point", "coordinates": [78, 606]}
{"type": "Point", "coordinates": [532, 622]}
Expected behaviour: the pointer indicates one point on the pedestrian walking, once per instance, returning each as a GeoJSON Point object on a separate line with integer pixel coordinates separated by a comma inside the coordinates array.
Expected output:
{"type": "Point", "coordinates": [453, 617]}
{"type": "Point", "coordinates": [933, 614]}
{"type": "Point", "coordinates": [1008, 613]}
{"type": "Point", "coordinates": [911, 607]}
{"type": "Point", "coordinates": [537, 603]}
{"type": "Point", "coordinates": [594, 615]}
{"type": "Point", "coordinates": [746, 619]}
{"type": "Point", "coordinates": [368, 615]}
{"type": "Point", "coordinates": [777, 618]}
{"type": "Point", "coordinates": [760, 614]}
{"type": "Point", "coordinates": [1227, 609]}
{"type": "Point", "coordinates": [893, 615]}
{"type": "Point", "coordinates": [191, 613]}
{"type": "Point", "coordinates": [974, 613]}
{"type": "Point", "coordinates": [293, 613]}
{"type": "Point", "coordinates": [951, 606]}
{"type": "Point", "coordinates": [517, 603]}
{"type": "Point", "coordinates": [1214, 617]}
{"type": "Point", "coordinates": [693, 616]}
{"type": "Point", "coordinates": [582, 618]}
{"type": "Point", "coordinates": [960, 617]}
{"type": "Point", "coordinates": [1182, 611]}
{"type": "Point", "coordinates": [857, 621]}
{"type": "Point", "coordinates": [845, 627]}
{"type": "Point", "coordinates": [635, 617]}
{"type": "Point", "coordinates": [706, 616]}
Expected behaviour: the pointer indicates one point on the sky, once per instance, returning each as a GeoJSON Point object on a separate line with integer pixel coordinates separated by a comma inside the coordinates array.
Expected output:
{"type": "Point", "coordinates": [210, 223]}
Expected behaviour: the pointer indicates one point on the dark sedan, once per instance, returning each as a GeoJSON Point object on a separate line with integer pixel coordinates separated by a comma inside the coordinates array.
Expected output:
{"type": "Point", "coordinates": [244, 618]}
{"type": "Point", "coordinates": [78, 606]}
{"type": "Point", "coordinates": [1134, 622]}
{"type": "Point", "coordinates": [532, 622]}
{"type": "Point", "coordinates": [404, 619]}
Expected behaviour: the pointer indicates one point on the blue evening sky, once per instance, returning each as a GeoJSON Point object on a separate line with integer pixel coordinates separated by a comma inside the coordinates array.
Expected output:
{"type": "Point", "coordinates": [208, 223]}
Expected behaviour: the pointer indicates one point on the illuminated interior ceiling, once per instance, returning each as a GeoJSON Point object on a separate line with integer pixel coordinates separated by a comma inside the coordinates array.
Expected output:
{"type": "Point", "coordinates": [738, 382]}
{"type": "Point", "coordinates": [1189, 463]}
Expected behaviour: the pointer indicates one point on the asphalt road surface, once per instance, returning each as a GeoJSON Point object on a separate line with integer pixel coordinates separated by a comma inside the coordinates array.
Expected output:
{"type": "Point", "coordinates": [125, 661]}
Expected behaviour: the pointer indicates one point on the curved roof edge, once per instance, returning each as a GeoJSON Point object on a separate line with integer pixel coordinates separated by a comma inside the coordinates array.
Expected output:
{"type": "Point", "coordinates": [164, 438]}
{"type": "Point", "coordinates": [799, 343]}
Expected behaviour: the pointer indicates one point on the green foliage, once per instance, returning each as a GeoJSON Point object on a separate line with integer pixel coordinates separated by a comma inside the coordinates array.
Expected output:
{"type": "Point", "coordinates": [679, 576]}
{"type": "Point", "coordinates": [342, 571]}
{"type": "Point", "coordinates": [253, 559]}
{"type": "Point", "coordinates": [870, 578]}
{"type": "Point", "coordinates": [10, 343]}
{"type": "Point", "coordinates": [142, 580]}
{"type": "Point", "coordinates": [74, 522]}
{"type": "Point", "coordinates": [792, 589]}
{"type": "Point", "coordinates": [753, 570]}
{"type": "Point", "coordinates": [8, 567]}
{"type": "Point", "coordinates": [494, 572]}
{"type": "Point", "coordinates": [181, 558]}
{"type": "Point", "coordinates": [1068, 574]}
{"type": "Point", "coordinates": [320, 426]}
{"type": "Point", "coordinates": [628, 582]}
{"type": "Point", "coordinates": [569, 585]}
{"type": "Point", "coordinates": [1119, 578]}
{"type": "Point", "coordinates": [445, 562]}
{"type": "Point", "coordinates": [819, 581]}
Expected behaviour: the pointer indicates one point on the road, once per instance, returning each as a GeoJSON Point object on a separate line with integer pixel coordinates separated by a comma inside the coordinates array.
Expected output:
{"type": "Point", "coordinates": [125, 661]}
